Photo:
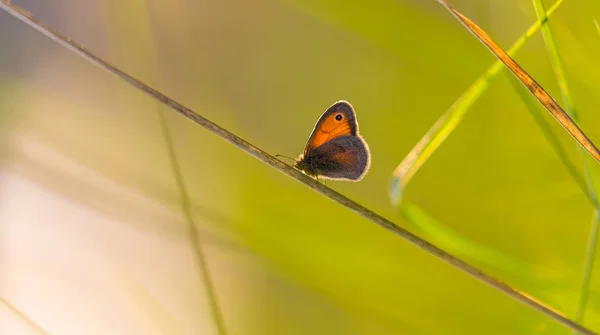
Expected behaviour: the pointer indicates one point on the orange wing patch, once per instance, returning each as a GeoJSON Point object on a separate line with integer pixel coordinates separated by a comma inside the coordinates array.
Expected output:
{"type": "Point", "coordinates": [329, 129]}
{"type": "Point", "coordinates": [336, 122]}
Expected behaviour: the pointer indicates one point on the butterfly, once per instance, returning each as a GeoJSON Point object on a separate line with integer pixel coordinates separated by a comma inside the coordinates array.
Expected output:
{"type": "Point", "coordinates": [334, 149]}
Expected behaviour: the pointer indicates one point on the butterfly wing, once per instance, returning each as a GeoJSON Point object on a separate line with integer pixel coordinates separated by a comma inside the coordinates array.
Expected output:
{"type": "Point", "coordinates": [345, 157]}
{"type": "Point", "coordinates": [338, 120]}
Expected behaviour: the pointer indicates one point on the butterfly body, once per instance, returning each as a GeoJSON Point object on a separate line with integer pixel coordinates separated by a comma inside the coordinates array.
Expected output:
{"type": "Point", "coordinates": [334, 149]}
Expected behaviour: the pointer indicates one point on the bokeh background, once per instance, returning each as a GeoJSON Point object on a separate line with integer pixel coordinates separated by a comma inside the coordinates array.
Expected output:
{"type": "Point", "coordinates": [94, 235]}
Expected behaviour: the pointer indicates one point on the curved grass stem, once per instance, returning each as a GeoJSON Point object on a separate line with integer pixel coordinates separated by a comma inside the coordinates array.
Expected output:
{"type": "Point", "coordinates": [446, 124]}
{"type": "Point", "coordinates": [532, 85]}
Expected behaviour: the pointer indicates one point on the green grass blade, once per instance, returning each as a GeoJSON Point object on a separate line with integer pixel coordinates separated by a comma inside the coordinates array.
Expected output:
{"type": "Point", "coordinates": [551, 137]}
{"type": "Point", "coordinates": [459, 244]}
{"type": "Point", "coordinates": [584, 294]}
{"type": "Point", "coordinates": [462, 245]}
{"type": "Point", "coordinates": [570, 109]}
{"type": "Point", "coordinates": [555, 59]}
{"type": "Point", "coordinates": [528, 81]}
{"type": "Point", "coordinates": [453, 116]}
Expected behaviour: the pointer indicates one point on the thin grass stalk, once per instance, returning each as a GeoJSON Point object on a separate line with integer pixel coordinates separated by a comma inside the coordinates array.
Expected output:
{"type": "Point", "coordinates": [144, 37]}
{"type": "Point", "coordinates": [194, 235]}
{"type": "Point", "coordinates": [462, 245]}
{"type": "Point", "coordinates": [30, 323]}
{"type": "Point", "coordinates": [587, 273]}
{"type": "Point", "coordinates": [550, 136]}
{"type": "Point", "coordinates": [570, 109]}
{"type": "Point", "coordinates": [444, 126]}
{"type": "Point", "coordinates": [528, 81]}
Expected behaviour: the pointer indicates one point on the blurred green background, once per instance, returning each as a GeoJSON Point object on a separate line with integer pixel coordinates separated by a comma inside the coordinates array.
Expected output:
{"type": "Point", "coordinates": [94, 238]}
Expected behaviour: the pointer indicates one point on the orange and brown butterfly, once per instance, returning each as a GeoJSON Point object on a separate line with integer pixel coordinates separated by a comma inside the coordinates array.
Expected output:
{"type": "Point", "coordinates": [334, 149]}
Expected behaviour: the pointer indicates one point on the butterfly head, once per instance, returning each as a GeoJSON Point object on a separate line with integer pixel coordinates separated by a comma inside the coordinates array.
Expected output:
{"type": "Point", "coordinates": [302, 165]}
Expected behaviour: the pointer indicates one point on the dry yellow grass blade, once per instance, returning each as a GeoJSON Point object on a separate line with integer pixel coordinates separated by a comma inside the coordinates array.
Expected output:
{"type": "Point", "coordinates": [543, 97]}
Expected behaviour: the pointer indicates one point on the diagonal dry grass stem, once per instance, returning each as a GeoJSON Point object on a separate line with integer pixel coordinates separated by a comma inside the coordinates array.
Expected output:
{"type": "Point", "coordinates": [444, 126]}
{"type": "Point", "coordinates": [533, 86]}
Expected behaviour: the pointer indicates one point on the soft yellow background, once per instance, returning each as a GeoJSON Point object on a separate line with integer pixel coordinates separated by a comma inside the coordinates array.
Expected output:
{"type": "Point", "coordinates": [92, 236]}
